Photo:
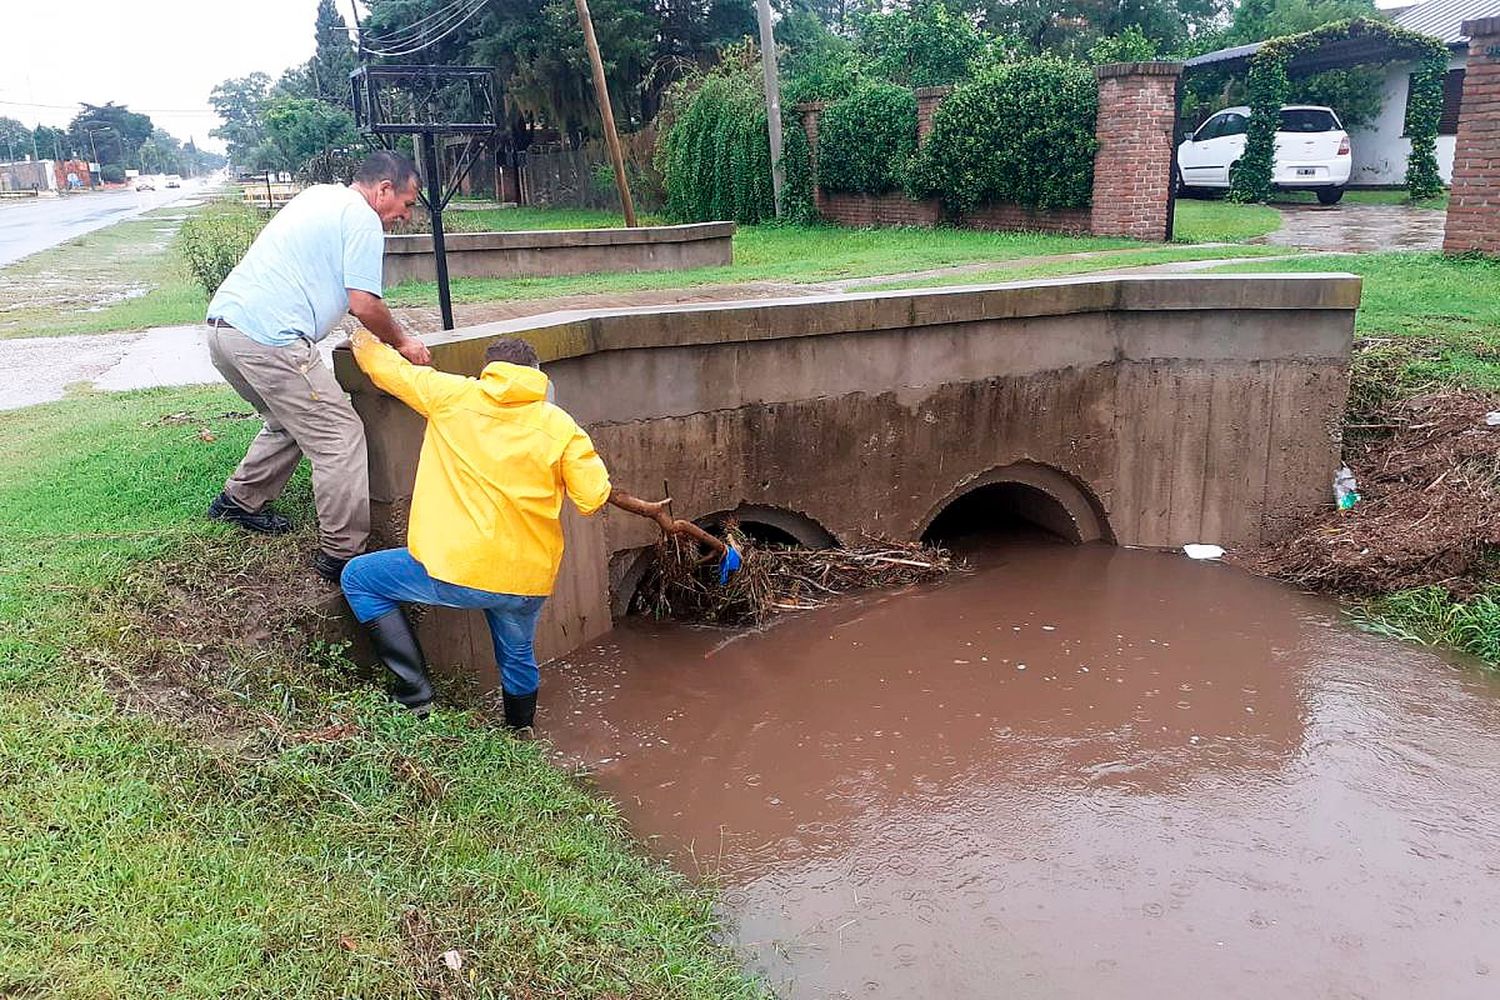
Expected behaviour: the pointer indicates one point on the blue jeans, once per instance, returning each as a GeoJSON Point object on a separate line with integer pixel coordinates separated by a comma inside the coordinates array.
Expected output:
{"type": "Point", "coordinates": [379, 582]}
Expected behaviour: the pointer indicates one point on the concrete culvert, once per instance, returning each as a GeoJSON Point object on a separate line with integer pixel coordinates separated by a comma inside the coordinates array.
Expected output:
{"type": "Point", "coordinates": [1003, 509]}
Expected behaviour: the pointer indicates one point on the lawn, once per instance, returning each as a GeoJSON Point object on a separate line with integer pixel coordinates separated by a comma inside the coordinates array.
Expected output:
{"type": "Point", "coordinates": [124, 277]}
{"type": "Point", "coordinates": [278, 830]}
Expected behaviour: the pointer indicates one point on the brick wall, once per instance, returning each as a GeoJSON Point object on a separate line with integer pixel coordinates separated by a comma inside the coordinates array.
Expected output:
{"type": "Point", "coordinates": [1053, 220]}
{"type": "Point", "coordinates": [1474, 201]}
{"type": "Point", "coordinates": [1132, 169]}
{"type": "Point", "coordinates": [894, 209]}
{"type": "Point", "coordinates": [928, 100]}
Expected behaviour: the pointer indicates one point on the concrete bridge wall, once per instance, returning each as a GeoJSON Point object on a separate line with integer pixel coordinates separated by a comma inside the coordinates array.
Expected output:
{"type": "Point", "coordinates": [1154, 410]}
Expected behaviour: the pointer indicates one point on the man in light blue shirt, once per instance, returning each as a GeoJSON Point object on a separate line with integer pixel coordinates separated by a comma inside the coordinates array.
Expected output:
{"type": "Point", "coordinates": [321, 257]}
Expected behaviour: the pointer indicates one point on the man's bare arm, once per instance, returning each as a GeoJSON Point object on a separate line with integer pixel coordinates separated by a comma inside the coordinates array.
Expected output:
{"type": "Point", "coordinates": [374, 315]}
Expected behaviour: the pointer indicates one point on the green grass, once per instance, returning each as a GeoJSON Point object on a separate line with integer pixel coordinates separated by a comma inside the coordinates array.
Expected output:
{"type": "Point", "coordinates": [1222, 221]}
{"type": "Point", "coordinates": [514, 219]}
{"type": "Point", "coordinates": [1430, 616]}
{"type": "Point", "coordinates": [145, 858]}
{"type": "Point", "coordinates": [79, 286]}
{"type": "Point", "coordinates": [1429, 321]}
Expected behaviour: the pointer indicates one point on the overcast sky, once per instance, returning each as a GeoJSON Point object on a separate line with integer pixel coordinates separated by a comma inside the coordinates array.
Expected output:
{"type": "Point", "coordinates": [161, 57]}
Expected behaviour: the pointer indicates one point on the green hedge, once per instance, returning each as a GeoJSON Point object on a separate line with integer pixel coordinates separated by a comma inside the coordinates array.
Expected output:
{"type": "Point", "coordinates": [1021, 132]}
{"type": "Point", "coordinates": [715, 156]}
{"type": "Point", "coordinates": [866, 139]}
{"type": "Point", "coordinates": [215, 240]}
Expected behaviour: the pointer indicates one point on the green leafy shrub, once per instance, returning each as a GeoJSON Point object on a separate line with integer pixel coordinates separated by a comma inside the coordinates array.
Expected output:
{"type": "Point", "coordinates": [1021, 132]}
{"type": "Point", "coordinates": [213, 241]}
{"type": "Point", "coordinates": [112, 173]}
{"type": "Point", "coordinates": [1130, 45]}
{"type": "Point", "coordinates": [714, 152]}
{"type": "Point", "coordinates": [866, 139]}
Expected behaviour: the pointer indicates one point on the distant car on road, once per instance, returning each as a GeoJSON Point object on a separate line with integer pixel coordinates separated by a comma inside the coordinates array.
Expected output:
{"type": "Point", "coordinates": [144, 186]}
{"type": "Point", "coordinates": [173, 181]}
{"type": "Point", "coordinates": [1312, 152]}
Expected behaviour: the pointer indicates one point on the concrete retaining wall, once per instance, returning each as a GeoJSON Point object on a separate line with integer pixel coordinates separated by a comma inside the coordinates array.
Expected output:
{"type": "Point", "coordinates": [1175, 408]}
{"type": "Point", "coordinates": [543, 253]}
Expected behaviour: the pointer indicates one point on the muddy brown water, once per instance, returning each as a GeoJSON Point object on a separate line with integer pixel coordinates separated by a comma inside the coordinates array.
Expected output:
{"type": "Point", "coordinates": [1072, 772]}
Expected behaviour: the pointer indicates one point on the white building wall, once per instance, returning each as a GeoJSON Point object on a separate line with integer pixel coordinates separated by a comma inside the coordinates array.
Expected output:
{"type": "Point", "coordinates": [1380, 150]}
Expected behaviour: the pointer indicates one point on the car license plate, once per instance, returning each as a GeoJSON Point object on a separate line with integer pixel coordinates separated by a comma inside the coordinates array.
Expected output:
{"type": "Point", "coordinates": [1307, 172]}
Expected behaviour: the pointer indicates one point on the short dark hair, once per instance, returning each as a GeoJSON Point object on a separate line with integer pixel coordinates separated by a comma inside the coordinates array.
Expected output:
{"type": "Point", "coordinates": [513, 351]}
{"type": "Point", "coordinates": [385, 165]}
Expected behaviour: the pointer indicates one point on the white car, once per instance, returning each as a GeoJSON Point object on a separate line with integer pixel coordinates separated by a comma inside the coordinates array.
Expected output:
{"type": "Point", "coordinates": [1312, 152]}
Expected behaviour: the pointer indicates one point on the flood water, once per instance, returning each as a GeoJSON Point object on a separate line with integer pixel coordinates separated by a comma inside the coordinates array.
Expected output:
{"type": "Point", "coordinates": [1072, 772]}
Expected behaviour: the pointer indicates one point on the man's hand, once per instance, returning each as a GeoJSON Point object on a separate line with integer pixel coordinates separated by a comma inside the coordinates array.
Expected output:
{"type": "Point", "coordinates": [415, 351]}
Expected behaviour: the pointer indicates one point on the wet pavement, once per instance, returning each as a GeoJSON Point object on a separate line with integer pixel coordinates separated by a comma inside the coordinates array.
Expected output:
{"type": "Point", "coordinates": [34, 225]}
{"type": "Point", "coordinates": [1074, 772]}
{"type": "Point", "coordinates": [1363, 228]}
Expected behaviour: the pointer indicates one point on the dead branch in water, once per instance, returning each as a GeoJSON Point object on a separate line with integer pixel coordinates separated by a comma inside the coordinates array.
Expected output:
{"type": "Point", "coordinates": [684, 586]}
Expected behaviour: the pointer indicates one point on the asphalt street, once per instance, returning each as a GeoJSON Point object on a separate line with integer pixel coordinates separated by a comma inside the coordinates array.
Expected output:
{"type": "Point", "coordinates": [29, 226]}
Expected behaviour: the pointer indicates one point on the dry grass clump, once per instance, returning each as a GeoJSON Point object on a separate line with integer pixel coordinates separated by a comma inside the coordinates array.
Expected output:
{"type": "Point", "coordinates": [1429, 509]}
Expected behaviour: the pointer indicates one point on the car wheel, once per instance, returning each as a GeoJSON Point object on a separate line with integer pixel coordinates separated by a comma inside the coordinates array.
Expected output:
{"type": "Point", "coordinates": [1330, 196]}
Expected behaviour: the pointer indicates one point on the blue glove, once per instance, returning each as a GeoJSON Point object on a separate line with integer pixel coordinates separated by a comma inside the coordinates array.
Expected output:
{"type": "Point", "coordinates": [730, 564]}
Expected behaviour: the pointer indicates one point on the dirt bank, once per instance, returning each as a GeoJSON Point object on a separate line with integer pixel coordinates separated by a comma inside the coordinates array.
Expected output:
{"type": "Point", "coordinates": [1429, 480]}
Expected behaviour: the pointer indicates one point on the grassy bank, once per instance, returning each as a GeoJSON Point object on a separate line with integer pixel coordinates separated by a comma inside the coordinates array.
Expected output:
{"type": "Point", "coordinates": [1426, 323]}
{"type": "Point", "coordinates": [266, 826]}
{"type": "Point", "coordinates": [124, 277]}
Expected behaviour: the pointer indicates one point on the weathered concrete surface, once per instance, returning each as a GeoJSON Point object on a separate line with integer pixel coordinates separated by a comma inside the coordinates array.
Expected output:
{"type": "Point", "coordinates": [545, 253]}
{"type": "Point", "coordinates": [1157, 410]}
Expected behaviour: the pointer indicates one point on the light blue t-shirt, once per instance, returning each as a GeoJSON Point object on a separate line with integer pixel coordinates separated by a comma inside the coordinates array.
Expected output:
{"type": "Point", "coordinates": [293, 282]}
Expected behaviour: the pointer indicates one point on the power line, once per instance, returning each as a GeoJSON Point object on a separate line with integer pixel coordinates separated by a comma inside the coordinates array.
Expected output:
{"type": "Point", "coordinates": [451, 26]}
{"type": "Point", "coordinates": [409, 32]}
{"type": "Point", "coordinates": [143, 111]}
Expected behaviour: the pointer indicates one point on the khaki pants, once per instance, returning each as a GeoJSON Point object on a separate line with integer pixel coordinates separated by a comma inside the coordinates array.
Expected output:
{"type": "Point", "coordinates": [306, 413]}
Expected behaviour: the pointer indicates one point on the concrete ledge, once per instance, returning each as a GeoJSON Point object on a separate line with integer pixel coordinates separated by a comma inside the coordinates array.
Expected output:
{"type": "Point", "coordinates": [574, 333]}
{"type": "Point", "coordinates": [547, 252]}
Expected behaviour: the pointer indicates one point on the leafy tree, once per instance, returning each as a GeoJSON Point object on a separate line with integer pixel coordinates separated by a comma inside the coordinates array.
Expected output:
{"type": "Point", "coordinates": [923, 46]}
{"type": "Point", "coordinates": [239, 102]}
{"type": "Point", "coordinates": [53, 143]}
{"type": "Point", "coordinates": [298, 128]}
{"type": "Point", "coordinates": [112, 131]}
{"type": "Point", "coordinates": [1131, 45]}
{"type": "Point", "coordinates": [15, 139]}
{"type": "Point", "coordinates": [819, 64]}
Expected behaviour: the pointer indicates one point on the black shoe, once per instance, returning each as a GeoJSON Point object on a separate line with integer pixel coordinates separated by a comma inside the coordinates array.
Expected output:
{"type": "Point", "coordinates": [520, 709]}
{"type": "Point", "coordinates": [328, 567]}
{"type": "Point", "coordinates": [396, 645]}
{"type": "Point", "coordinates": [265, 522]}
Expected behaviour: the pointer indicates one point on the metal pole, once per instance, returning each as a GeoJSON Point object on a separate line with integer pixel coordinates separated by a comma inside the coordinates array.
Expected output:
{"type": "Point", "coordinates": [435, 209]}
{"type": "Point", "coordinates": [601, 91]}
{"type": "Point", "coordinates": [773, 98]}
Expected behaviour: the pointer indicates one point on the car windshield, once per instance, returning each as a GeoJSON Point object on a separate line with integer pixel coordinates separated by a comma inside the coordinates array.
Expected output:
{"type": "Point", "coordinates": [1308, 120]}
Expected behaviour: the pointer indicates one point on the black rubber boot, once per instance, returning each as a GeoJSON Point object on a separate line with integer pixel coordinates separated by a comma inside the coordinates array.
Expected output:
{"type": "Point", "coordinates": [520, 709]}
{"type": "Point", "coordinates": [264, 522]}
{"type": "Point", "coordinates": [396, 645]}
{"type": "Point", "coordinates": [330, 568]}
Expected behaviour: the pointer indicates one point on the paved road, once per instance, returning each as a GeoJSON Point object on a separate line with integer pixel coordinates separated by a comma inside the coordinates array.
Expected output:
{"type": "Point", "coordinates": [36, 224]}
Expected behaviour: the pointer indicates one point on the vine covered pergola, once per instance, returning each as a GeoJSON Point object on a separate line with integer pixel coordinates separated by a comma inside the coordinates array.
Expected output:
{"type": "Point", "coordinates": [1274, 63]}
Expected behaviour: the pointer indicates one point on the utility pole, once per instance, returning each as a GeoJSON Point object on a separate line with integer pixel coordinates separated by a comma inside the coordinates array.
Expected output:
{"type": "Point", "coordinates": [601, 91]}
{"type": "Point", "coordinates": [773, 97]}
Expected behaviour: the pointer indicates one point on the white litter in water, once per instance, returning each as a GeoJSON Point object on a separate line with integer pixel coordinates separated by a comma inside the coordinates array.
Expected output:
{"type": "Point", "coordinates": [1492, 418]}
{"type": "Point", "coordinates": [1197, 551]}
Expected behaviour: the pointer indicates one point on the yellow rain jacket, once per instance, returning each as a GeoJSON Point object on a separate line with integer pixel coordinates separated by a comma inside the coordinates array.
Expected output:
{"type": "Point", "coordinates": [495, 462]}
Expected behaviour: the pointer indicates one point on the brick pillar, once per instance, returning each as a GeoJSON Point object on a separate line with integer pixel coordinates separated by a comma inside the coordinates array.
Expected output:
{"type": "Point", "coordinates": [811, 112]}
{"type": "Point", "coordinates": [1135, 130]}
{"type": "Point", "coordinates": [928, 99]}
{"type": "Point", "coordinates": [1474, 201]}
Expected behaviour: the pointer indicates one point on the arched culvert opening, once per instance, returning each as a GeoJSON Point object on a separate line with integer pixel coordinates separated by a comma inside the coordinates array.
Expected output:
{"type": "Point", "coordinates": [1022, 501]}
{"type": "Point", "coordinates": [764, 526]}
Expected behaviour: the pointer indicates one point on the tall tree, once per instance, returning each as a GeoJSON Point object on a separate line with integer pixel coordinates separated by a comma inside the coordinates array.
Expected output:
{"type": "Point", "coordinates": [112, 131]}
{"type": "Point", "coordinates": [239, 102]}
{"type": "Point", "coordinates": [333, 60]}
{"type": "Point", "coordinates": [297, 128]}
{"type": "Point", "coordinates": [53, 143]}
{"type": "Point", "coordinates": [15, 139]}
